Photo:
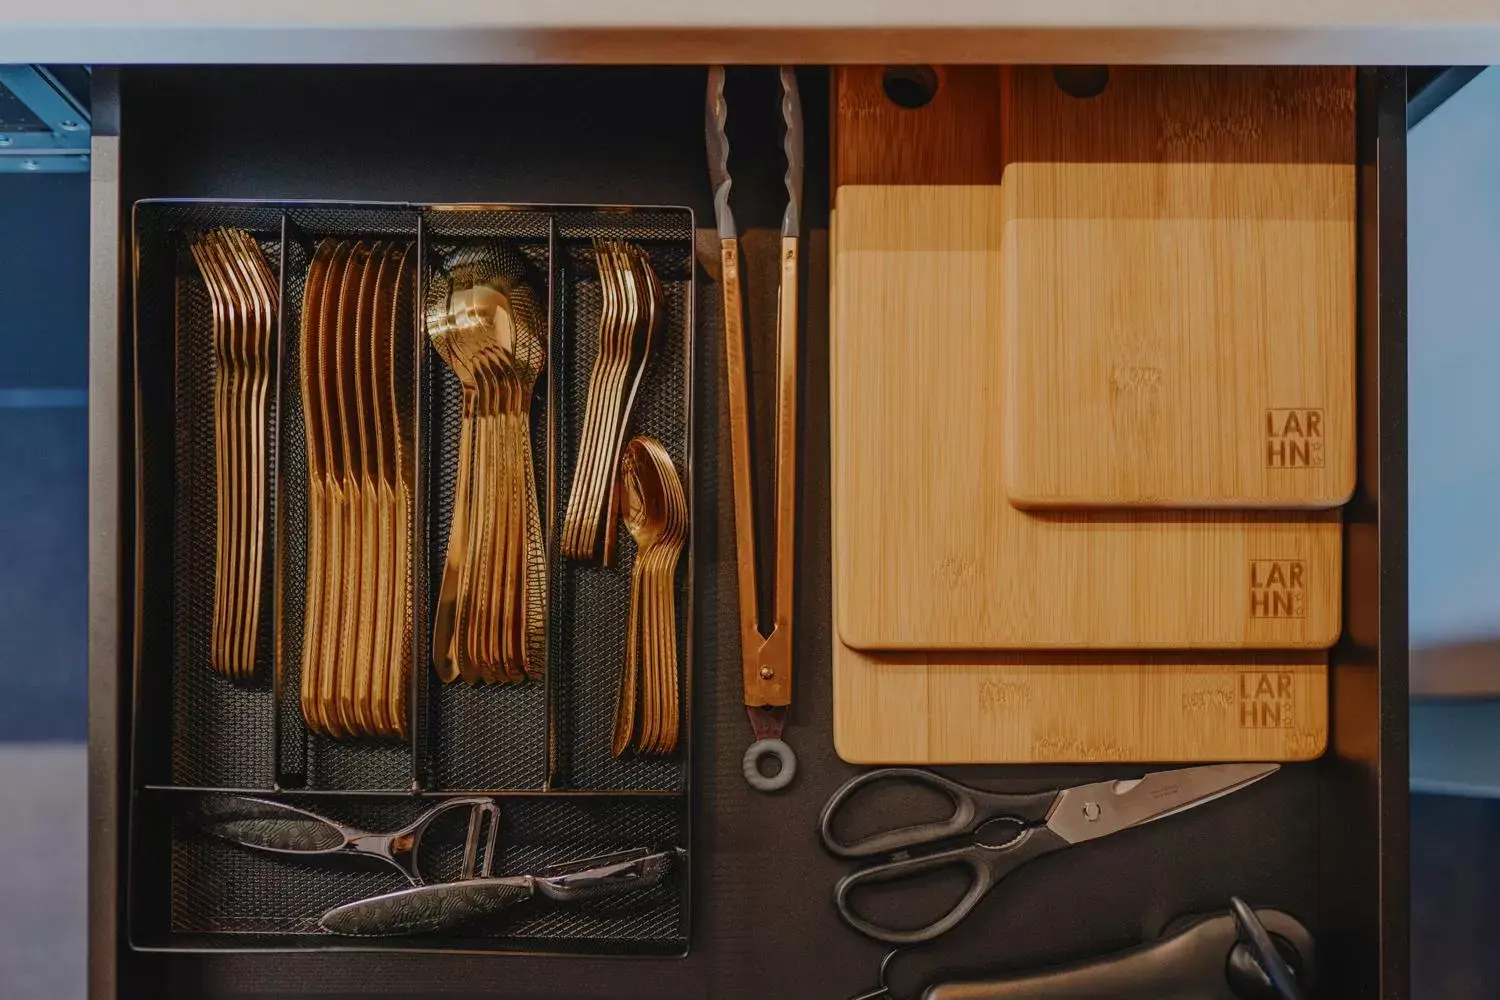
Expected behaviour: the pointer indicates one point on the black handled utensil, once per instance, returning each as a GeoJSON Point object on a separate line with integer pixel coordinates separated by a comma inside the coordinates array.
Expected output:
{"type": "Point", "coordinates": [1197, 961]}
{"type": "Point", "coordinates": [443, 906]}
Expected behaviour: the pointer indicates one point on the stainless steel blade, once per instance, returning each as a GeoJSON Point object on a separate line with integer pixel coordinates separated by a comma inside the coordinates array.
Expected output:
{"type": "Point", "coordinates": [1104, 807]}
{"type": "Point", "coordinates": [718, 153]}
{"type": "Point", "coordinates": [791, 113]}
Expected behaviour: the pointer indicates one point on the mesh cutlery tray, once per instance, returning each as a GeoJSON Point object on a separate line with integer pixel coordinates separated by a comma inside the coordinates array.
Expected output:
{"type": "Point", "coordinates": [541, 749]}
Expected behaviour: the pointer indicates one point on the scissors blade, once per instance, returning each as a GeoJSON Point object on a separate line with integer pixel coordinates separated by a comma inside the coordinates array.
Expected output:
{"type": "Point", "coordinates": [270, 826]}
{"type": "Point", "coordinates": [791, 114]}
{"type": "Point", "coordinates": [1086, 812]}
{"type": "Point", "coordinates": [718, 153]}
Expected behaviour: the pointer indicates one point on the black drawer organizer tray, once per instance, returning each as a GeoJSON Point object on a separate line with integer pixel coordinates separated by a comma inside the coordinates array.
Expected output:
{"type": "Point", "coordinates": [540, 749]}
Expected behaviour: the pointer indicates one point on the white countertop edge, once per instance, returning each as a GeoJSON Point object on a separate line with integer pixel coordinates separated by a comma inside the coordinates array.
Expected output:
{"type": "Point", "coordinates": [129, 43]}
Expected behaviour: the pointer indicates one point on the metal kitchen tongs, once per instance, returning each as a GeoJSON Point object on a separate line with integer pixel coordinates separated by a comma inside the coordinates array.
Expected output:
{"type": "Point", "coordinates": [766, 659]}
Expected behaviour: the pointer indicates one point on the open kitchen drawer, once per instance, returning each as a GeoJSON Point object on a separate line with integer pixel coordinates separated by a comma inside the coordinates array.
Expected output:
{"type": "Point", "coordinates": [1325, 840]}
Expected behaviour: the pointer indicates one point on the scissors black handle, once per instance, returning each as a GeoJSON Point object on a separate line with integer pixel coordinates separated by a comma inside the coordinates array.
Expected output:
{"type": "Point", "coordinates": [987, 865]}
{"type": "Point", "coordinates": [972, 808]}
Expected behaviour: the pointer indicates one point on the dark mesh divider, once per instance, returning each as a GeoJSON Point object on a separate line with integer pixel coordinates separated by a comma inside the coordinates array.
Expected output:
{"type": "Point", "coordinates": [292, 568]}
{"type": "Point", "coordinates": [352, 221]}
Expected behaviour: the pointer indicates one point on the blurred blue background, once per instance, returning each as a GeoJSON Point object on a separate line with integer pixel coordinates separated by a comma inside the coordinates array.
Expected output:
{"type": "Point", "coordinates": [43, 436]}
{"type": "Point", "coordinates": [43, 582]}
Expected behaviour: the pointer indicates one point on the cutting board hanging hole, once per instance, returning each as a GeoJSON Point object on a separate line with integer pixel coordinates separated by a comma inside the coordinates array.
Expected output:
{"type": "Point", "coordinates": [910, 87]}
{"type": "Point", "coordinates": [1081, 82]}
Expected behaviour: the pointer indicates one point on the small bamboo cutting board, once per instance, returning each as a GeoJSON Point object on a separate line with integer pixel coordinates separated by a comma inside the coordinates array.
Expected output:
{"type": "Point", "coordinates": [1179, 288]}
{"type": "Point", "coordinates": [1009, 708]}
{"type": "Point", "coordinates": [929, 553]}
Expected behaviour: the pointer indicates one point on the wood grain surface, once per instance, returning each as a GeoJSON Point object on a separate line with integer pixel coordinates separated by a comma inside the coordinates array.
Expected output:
{"type": "Point", "coordinates": [1030, 708]}
{"type": "Point", "coordinates": [929, 553]}
{"type": "Point", "coordinates": [1179, 288]}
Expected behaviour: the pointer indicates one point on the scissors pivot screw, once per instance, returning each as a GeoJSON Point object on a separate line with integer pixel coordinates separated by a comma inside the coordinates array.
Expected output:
{"type": "Point", "coordinates": [1092, 812]}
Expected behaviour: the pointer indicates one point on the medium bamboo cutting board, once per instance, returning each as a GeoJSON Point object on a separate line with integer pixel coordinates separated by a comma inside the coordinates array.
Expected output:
{"type": "Point", "coordinates": [929, 553]}
{"type": "Point", "coordinates": [1179, 288]}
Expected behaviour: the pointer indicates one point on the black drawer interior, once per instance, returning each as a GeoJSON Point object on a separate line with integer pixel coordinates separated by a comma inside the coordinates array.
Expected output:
{"type": "Point", "coordinates": [1324, 840]}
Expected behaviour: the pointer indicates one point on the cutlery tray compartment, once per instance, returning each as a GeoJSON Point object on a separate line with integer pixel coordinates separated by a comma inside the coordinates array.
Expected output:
{"type": "Point", "coordinates": [196, 731]}
{"type": "Point", "coordinates": [205, 893]}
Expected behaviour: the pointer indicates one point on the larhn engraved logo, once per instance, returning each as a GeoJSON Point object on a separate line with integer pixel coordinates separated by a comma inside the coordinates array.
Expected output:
{"type": "Point", "coordinates": [1294, 439]}
{"type": "Point", "coordinates": [1278, 588]}
{"type": "Point", "coordinates": [1265, 700]}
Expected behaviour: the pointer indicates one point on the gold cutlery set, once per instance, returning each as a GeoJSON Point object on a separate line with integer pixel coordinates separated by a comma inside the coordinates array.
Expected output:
{"type": "Point", "coordinates": [486, 323]}
{"type": "Point", "coordinates": [243, 296]}
{"type": "Point", "coordinates": [647, 707]}
{"type": "Point", "coordinates": [359, 424]}
{"type": "Point", "coordinates": [630, 316]}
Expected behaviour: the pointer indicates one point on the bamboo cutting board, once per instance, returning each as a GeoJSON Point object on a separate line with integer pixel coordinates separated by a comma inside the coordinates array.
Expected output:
{"type": "Point", "coordinates": [1028, 708]}
{"type": "Point", "coordinates": [1179, 288]}
{"type": "Point", "coordinates": [929, 553]}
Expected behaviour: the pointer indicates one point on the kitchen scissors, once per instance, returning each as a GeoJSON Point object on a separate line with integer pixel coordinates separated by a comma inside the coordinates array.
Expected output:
{"type": "Point", "coordinates": [994, 833]}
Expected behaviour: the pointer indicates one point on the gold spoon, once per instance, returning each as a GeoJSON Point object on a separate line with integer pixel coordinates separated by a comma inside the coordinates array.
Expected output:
{"type": "Point", "coordinates": [481, 632]}
{"type": "Point", "coordinates": [443, 332]}
{"type": "Point", "coordinates": [646, 519]}
{"type": "Point", "coordinates": [662, 736]}
{"type": "Point", "coordinates": [656, 516]}
{"type": "Point", "coordinates": [530, 354]}
{"type": "Point", "coordinates": [678, 520]}
{"type": "Point", "coordinates": [503, 303]}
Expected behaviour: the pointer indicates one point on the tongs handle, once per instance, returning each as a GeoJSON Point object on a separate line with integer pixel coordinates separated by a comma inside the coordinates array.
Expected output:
{"type": "Point", "coordinates": [765, 660]}
{"type": "Point", "coordinates": [786, 446]}
{"type": "Point", "coordinates": [740, 471]}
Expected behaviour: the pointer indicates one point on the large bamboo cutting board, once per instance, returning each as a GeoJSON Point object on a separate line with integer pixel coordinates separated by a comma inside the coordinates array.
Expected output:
{"type": "Point", "coordinates": [1179, 288]}
{"type": "Point", "coordinates": [929, 553]}
{"type": "Point", "coordinates": [1028, 708]}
